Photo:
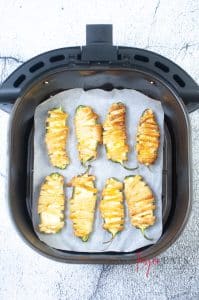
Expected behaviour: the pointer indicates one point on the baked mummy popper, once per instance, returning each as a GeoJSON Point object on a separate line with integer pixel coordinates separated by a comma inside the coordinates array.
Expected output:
{"type": "Point", "coordinates": [51, 204]}
{"type": "Point", "coordinates": [148, 138]}
{"type": "Point", "coordinates": [112, 206]}
{"type": "Point", "coordinates": [88, 133]}
{"type": "Point", "coordinates": [56, 137]}
{"type": "Point", "coordinates": [140, 202]}
{"type": "Point", "coordinates": [82, 204]}
{"type": "Point", "coordinates": [115, 136]}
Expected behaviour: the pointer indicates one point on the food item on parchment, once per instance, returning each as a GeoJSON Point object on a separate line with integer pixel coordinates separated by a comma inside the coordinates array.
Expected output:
{"type": "Point", "coordinates": [56, 137]}
{"type": "Point", "coordinates": [51, 204]}
{"type": "Point", "coordinates": [88, 133]}
{"type": "Point", "coordinates": [114, 134]}
{"type": "Point", "coordinates": [140, 202]}
{"type": "Point", "coordinates": [148, 138]}
{"type": "Point", "coordinates": [82, 204]}
{"type": "Point", "coordinates": [112, 206]}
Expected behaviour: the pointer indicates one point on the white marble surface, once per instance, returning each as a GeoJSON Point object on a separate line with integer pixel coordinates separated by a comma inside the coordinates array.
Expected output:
{"type": "Point", "coordinates": [28, 28]}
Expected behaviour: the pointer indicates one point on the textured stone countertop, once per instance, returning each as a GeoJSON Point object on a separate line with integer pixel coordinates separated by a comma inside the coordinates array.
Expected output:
{"type": "Point", "coordinates": [28, 28]}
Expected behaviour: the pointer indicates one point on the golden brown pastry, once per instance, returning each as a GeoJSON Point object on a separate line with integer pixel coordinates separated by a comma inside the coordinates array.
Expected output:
{"type": "Point", "coordinates": [88, 132]}
{"type": "Point", "coordinates": [114, 134]}
{"type": "Point", "coordinates": [112, 206]}
{"type": "Point", "coordinates": [148, 138]}
{"type": "Point", "coordinates": [56, 137]}
{"type": "Point", "coordinates": [82, 204]}
{"type": "Point", "coordinates": [51, 204]}
{"type": "Point", "coordinates": [140, 201]}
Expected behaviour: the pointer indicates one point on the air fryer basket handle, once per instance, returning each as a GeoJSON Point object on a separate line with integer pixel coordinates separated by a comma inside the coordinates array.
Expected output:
{"type": "Point", "coordinates": [100, 33]}
{"type": "Point", "coordinates": [191, 99]}
{"type": "Point", "coordinates": [9, 95]}
{"type": "Point", "coordinates": [99, 44]}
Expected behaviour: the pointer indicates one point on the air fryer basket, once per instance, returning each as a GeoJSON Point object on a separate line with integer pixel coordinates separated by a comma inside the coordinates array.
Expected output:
{"type": "Point", "coordinates": [101, 65]}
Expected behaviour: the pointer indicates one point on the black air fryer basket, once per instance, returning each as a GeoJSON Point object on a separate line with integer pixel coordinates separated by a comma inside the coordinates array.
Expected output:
{"type": "Point", "coordinates": [99, 64]}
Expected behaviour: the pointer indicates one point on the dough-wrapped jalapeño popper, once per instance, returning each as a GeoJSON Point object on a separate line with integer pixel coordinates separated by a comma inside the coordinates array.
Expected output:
{"type": "Point", "coordinates": [51, 204]}
{"type": "Point", "coordinates": [140, 202]}
{"type": "Point", "coordinates": [88, 133]}
{"type": "Point", "coordinates": [148, 138]}
{"type": "Point", "coordinates": [112, 207]}
{"type": "Point", "coordinates": [82, 204]}
{"type": "Point", "coordinates": [56, 137]}
{"type": "Point", "coordinates": [114, 134]}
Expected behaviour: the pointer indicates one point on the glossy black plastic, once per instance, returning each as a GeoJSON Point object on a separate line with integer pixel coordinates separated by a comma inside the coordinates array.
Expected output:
{"type": "Point", "coordinates": [178, 168]}
{"type": "Point", "coordinates": [100, 51]}
{"type": "Point", "coordinates": [63, 69]}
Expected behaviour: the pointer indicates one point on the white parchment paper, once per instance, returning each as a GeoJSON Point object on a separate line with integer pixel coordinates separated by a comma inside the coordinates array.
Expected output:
{"type": "Point", "coordinates": [130, 238]}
